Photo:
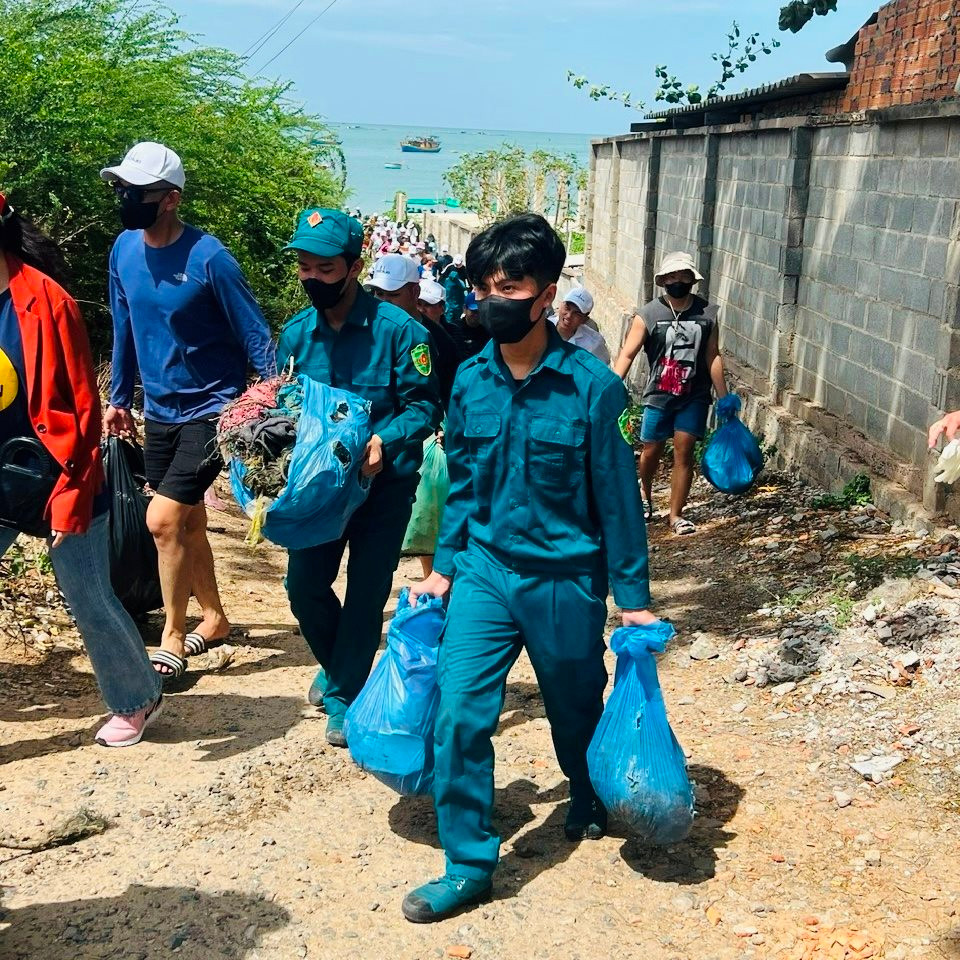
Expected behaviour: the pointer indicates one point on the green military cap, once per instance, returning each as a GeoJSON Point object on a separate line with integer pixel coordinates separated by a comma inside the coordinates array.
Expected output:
{"type": "Point", "coordinates": [327, 233]}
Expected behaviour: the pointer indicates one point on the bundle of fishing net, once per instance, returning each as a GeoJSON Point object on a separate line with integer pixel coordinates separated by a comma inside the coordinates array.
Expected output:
{"type": "Point", "coordinates": [295, 448]}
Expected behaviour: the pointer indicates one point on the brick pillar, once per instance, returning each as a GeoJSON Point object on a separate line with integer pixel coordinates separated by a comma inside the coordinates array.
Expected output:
{"type": "Point", "coordinates": [614, 209]}
{"type": "Point", "coordinates": [791, 263]}
{"type": "Point", "coordinates": [704, 256]}
{"type": "Point", "coordinates": [651, 205]}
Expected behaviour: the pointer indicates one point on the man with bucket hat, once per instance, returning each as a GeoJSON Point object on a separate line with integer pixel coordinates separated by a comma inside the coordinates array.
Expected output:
{"type": "Point", "coordinates": [352, 340]}
{"type": "Point", "coordinates": [679, 333]}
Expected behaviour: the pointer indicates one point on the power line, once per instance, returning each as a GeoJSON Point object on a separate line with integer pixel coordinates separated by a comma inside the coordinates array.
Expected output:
{"type": "Point", "coordinates": [297, 36]}
{"type": "Point", "coordinates": [264, 37]}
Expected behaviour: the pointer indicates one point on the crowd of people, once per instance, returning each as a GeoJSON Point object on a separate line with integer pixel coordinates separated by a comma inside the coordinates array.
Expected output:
{"type": "Point", "coordinates": [544, 515]}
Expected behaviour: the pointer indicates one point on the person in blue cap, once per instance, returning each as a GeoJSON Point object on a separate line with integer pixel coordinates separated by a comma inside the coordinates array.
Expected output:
{"type": "Point", "coordinates": [544, 511]}
{"type": "Point", "coordinates": [349, 339]}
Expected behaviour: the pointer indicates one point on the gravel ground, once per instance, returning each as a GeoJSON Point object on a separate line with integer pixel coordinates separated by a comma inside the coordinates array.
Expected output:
{"type": "Point", "coordinates": [237, 832]}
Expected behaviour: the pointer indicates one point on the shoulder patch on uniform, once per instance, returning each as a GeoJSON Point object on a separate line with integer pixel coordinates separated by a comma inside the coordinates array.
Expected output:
{"type": "Point", "coordinates": [421, 359]}
{"type": "Point", "coordinates": [629, 424]}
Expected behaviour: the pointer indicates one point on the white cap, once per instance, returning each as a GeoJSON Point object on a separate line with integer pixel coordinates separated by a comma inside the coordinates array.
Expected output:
{"type": "Point", "coordinates": [444, 249]}
{"type": "Point", "coordinates": [581, 299]}
{"type": "Point", "coordinates": [458, 259]}
{"type": "Point", "coordinates": [432, 292]}
{"type": "Point", "coordinates": [674, 263]}
{"type": "Point", "coordinates": [393, 272]}
{"type": "Point", "coordinates": [146, 164]}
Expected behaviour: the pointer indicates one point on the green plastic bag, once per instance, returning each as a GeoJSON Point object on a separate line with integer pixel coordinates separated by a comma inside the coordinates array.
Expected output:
{"type": "Point", "coordinates": [424, 526]}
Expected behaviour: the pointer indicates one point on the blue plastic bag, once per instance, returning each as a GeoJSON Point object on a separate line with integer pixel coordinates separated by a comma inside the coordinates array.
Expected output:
{"type": "Point", "coordinates": [733, 458]}
{"type": "Point", "coordinates": [636, 765]}
{"type": "Point", "coordinates": [389, 727]}
{"type": "Point", "coordinates": [324, 485]}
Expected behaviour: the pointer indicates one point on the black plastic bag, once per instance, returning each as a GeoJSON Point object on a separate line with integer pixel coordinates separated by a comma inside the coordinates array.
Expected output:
{"type": "Point", "coordinates": [133, 554]}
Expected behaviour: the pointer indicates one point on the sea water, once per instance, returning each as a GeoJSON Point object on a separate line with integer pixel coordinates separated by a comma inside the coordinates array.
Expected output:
{"type": "Point", "coordinates": [367, 147]}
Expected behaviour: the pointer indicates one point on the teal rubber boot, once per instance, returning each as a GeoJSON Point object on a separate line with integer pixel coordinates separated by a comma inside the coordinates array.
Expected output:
{"type": "Point", "coordinates": [444, 897]}
{"type": "Point", "coordinates": [587, 816]}
{"type": "Point", "coordinates": [317, 689]}
{"type": "Point", "coordinates": [335, 735]}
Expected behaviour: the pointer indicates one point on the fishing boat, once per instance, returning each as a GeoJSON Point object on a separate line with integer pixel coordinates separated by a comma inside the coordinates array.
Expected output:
{"type": "Point", "coordinates": [420, 145]}
{"type": "Point", "coordinates": [393, 166]}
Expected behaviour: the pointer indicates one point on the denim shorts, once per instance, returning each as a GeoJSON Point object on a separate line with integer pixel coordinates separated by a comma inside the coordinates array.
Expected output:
{"type": "Point", "coordinates": [660, 423]}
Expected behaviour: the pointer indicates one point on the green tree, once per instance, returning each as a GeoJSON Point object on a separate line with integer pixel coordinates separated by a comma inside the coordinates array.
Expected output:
{"type": "Point", "coordinates": [742, 51]}
{"type": "Point", "coordinates": [497, 183]}
{"type": "Point", "coordinates": [83, 80]}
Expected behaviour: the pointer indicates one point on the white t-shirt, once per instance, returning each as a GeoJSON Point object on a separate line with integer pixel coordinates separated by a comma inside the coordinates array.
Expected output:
{"type": "Point", "coordinates": [591, 340]}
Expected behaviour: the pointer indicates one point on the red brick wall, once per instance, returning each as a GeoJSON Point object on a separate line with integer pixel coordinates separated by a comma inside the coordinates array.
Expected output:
{"type": "Point", "coordinates": [909, 55]}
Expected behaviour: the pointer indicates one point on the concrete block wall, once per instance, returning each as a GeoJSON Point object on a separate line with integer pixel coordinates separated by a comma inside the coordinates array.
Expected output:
{"type": "Point", "coordinates": [833, 249]}
{"type": "Point", "coordinates": [750, 229]}
{"type": "Point", "coordinates": [632, 217]}
{"type": "Point", "coordinates": [683, 171]}
{"type": "Point", "coordinates": [602, 196]}
{"type": "Point", "coordinates": [872, 291]}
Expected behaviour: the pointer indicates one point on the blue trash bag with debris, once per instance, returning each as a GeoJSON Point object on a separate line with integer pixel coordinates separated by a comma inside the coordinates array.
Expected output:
{"type": "Point", "coordinates": [636, 764]}
{"type": "Point", "coordinates": [733, 458]}
{"type": "Point", "coordinates": [324, 485]}
{"type": "Point", "coordinates": [389, 727]}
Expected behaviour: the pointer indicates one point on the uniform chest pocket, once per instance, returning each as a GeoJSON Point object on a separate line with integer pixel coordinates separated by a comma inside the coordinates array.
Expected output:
{"type": "Point", "coordinates": [372, 383]}
{"type": "Point", "coordinates": [480, 435]}
{"type": "Point", "coordinates": [555, 453]}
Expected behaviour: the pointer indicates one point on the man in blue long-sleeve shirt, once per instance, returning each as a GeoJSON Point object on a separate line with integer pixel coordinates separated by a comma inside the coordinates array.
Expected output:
{"type": "Point", "coordinates": [185, 318]}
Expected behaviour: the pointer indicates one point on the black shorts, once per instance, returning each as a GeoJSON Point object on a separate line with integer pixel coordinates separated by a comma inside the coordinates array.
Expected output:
{"type": "Point", "coordinates": [181, 459]}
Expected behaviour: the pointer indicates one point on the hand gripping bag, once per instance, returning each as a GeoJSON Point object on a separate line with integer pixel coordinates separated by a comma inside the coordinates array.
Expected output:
{"type": "Point", "coordinates": [389, 727]}
{"type": "Point", "coordinates": [636, 765]}
{"type": "Point", "coordinates": [733, 458]}
{"type": "Point", "coordinates": [133, 554]}
{"type": "Point", "coordinates": [324, 484]}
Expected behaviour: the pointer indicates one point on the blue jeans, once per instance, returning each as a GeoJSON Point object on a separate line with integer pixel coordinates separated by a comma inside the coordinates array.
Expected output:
{"type": "Point", "coordinates": [127, 681]}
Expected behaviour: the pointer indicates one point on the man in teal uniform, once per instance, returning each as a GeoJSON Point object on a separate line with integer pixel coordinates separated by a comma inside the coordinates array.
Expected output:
{"type": "Point", "coordinates": [349, 339]}
{"type": "Point", "coordinates": [544, 510]}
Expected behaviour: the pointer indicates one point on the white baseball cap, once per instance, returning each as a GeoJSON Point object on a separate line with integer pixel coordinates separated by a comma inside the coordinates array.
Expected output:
{"type": "Point", "coordinates": [394, 271]}
{"type": "Point", "coordinates": [581, 299]}
{"type": "Point", "coordinates": [432, 292]}
{"type": "Point", "coordinates": [458, 259]}
{"type": "Point", "coordinates": [146, 164]}
{"type": "Point", "coordinates": [444, 249]}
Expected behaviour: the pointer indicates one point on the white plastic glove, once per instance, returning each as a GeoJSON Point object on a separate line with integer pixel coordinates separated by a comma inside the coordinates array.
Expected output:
{"type": "Point", "coordinates": [948, 466]}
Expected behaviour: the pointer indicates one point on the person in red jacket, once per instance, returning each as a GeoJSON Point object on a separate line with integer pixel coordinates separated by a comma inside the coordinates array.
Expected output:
{"type": "Point", "coordinates": [50, 423]}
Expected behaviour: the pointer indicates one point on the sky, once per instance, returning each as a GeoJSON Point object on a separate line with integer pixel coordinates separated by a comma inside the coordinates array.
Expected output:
{"type": "Point", "coordinates": [502, 64]}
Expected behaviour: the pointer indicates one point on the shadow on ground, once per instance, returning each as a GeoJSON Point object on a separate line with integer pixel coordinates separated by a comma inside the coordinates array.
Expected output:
{"type": "Point", "coordinates": [695, 859]}
{"type": "Point", "coordinates": [144, 923]}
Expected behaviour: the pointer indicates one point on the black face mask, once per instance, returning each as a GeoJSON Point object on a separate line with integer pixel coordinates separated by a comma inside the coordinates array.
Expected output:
{"type": "Point", "coordinates": [135, 215]}
{"type": "Point", "coordinates": [679, 290]}
{"type": "Point", "coordinates": [324, 295]}
{"type": "Point", "coordinates": [507, 321]}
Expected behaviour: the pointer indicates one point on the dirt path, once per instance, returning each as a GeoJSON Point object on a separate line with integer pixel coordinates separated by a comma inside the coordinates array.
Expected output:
{"type": "Point", "coordinates": [237, 832]}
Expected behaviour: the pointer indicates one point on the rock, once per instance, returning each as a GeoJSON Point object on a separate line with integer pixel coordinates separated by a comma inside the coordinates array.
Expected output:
{"type": "Point", "coordinates": [685, 903]}
{"type": "Point", "coordinates": [884, 632]}
{"type": "Point", "coordinates": [460, 950]}
{"type": "Point", "coordinates": [811, 558]}
{"type": "Point", "coordinates": [869, 614]}
{"type": "Point", "coordinates": [745, 930]}
{"type": "Point", "coordinates": [842, 799]}
{"type": "Point", "coordinates": [782, 689]}
{"type": "Point", "coordinates": [876, 767]}
{"type": "Point", "coordinates": [908, 660]}
{"type": "Point", "coordinates": [703, 649]}
{"type": "Point", "coordinates": [739, 707]}
{"type": "Point", "coordinates": [872, 858]}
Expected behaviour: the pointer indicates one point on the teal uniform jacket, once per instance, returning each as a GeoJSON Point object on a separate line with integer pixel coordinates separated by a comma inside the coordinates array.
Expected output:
{"type": "Point", "coordinates": [542, 475]}
{"type": "Point", "coordinates": [383, 355]}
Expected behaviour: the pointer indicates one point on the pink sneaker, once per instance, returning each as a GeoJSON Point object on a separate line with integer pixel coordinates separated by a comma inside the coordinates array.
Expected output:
{"type": "Point", "coordinates": [125, 731]}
